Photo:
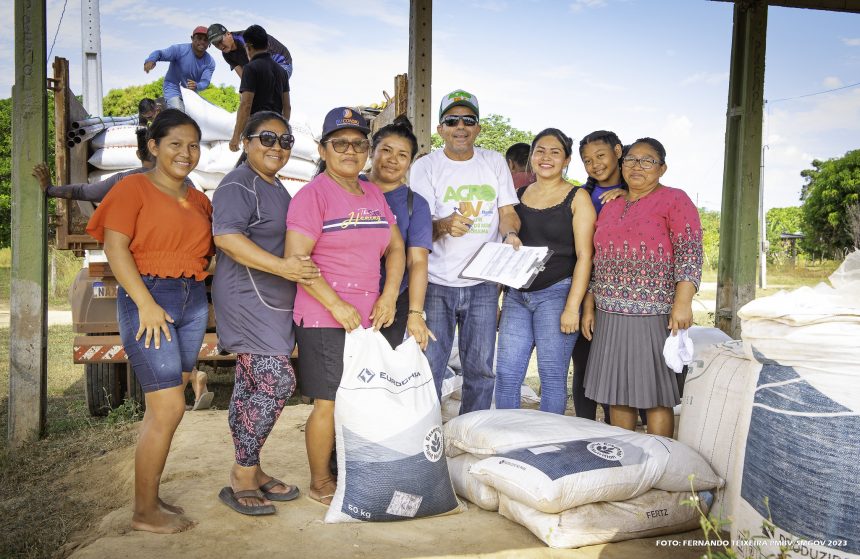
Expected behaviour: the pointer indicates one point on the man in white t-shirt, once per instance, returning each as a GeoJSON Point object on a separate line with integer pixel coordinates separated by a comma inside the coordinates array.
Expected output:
{"type": "Point", "coordinates": [472, 198]}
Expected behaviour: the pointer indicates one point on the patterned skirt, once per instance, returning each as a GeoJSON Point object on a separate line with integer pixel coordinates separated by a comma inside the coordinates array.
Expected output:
{"type": "Point", "coordinates": [626, 365]}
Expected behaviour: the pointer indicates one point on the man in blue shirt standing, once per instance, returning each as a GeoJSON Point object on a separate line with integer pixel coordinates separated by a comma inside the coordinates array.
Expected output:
{"type": "Point", "coordinates": [190, 67]}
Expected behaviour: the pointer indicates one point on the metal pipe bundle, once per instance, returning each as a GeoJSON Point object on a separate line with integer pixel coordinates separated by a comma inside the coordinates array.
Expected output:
{"type": "Point", "coordinates": [107, 120]}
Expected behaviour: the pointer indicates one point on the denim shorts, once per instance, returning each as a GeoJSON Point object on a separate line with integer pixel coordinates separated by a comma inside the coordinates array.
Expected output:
{"type": "Point", "coordinates": [184, 299]}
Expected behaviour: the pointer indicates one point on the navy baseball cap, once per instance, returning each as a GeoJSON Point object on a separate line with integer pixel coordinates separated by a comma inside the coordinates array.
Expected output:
{"type": "Point", "coordinates": [344, 118]}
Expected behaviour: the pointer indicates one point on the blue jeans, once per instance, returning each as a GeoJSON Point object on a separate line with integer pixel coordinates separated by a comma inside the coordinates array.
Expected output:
{"type": "Point", "coordinates": [175, 103]}
{"type": "Point", "coordinates": [473, 311]}
{"type": "Point", "coordinates": [184, 299]}
{"type": "Point", "coordinates": [532, 319]}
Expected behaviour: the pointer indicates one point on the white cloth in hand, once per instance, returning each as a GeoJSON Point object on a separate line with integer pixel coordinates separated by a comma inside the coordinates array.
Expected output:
{"type": "Point", "coordinates": [678, 351]}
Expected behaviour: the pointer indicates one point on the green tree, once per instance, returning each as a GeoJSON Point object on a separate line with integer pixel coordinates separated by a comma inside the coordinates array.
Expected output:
{"type": "Point", "coordinates": [831, 187]}
{"type": "Point", "coordinates": [6, 164]}
{"type": "Point", "coordinates": [710, 237]}
{"type": "Point", "coordinates": [779, 221]}
{"type": "Point", "coordinates": [122, 102]}
{"type": "Point", "coordinates": [497, 134]}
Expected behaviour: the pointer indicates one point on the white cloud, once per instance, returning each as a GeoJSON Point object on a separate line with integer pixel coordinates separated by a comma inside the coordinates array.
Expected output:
{"type": "Point", "coordinates": [832, 82]}
{"type": "Point", "coordinates": [854, 42]}
{"type": "Point", "coordinates": [394, 13]}
{"type": "Point", "coordinates": [579, 5]}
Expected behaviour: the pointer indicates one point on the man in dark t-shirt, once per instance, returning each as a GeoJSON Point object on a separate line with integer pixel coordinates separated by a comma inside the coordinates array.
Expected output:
{"type": "Point", "coordinates": [265, 85]}
{"type": "Point", "coordinates": [232, 47]}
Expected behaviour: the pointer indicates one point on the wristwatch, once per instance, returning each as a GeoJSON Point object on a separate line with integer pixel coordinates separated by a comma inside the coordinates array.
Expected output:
{"type": "Point", "coordinates": [508, 234]}
{"type": "Point", "coordinates": [421, 313]}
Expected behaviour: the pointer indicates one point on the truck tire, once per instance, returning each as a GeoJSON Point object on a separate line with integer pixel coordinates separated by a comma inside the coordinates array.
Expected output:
{"type": "Point", "coordinates": [104, 387]}
{"type": "Point", "coordinates": [135, 392]}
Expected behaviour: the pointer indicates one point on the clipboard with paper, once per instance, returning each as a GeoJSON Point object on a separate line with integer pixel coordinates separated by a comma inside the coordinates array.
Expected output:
{"type": "Point", "coordinates": [500, 263]}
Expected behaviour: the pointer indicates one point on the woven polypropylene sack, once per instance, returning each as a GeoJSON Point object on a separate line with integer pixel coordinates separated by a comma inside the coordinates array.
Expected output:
{"type": "Point", "coordinates": [388, 428]}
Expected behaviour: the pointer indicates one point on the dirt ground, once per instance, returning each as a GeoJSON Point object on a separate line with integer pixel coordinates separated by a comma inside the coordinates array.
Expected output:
{"type": "Point", "coordinates": [197, 469]}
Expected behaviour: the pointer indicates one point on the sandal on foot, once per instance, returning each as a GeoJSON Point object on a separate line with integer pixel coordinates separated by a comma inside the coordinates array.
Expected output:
{"type": "Point", "coordinates": [231, 499]}
{"type": "Point", "coordinates": [204, 402]}
{"type": "Point", "coordinates": [267, 487]}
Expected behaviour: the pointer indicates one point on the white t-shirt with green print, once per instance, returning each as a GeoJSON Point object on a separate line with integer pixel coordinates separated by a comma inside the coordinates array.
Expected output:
{"type": "Point", "coordinates": [477, 188]}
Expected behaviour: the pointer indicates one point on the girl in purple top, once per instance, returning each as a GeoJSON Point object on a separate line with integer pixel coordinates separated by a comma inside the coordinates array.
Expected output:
{"type": "Point", "coordinates": [647, 267]}
{"type": "Point", "coordinates": [601, 153]}
{"type": "Point", "coordinates": [345, 226]}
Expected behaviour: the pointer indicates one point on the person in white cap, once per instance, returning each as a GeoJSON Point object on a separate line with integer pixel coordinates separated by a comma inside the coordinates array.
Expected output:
{"type": "Point", "coordinates": [472, 199]}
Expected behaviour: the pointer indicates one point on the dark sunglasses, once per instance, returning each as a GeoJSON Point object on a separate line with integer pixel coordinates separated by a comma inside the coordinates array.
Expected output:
{"type": "Point", "coordinates": [268, 139]}
{"type": "Point", "coordinates": [453, 120]}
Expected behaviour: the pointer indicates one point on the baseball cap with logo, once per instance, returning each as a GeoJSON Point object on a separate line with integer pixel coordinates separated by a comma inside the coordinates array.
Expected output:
{"type": "Point", "coordinates": [199, 30]}
{"type": "Point", "coordinates": [215, 32]}
{"type": "Point", "coordinates": [343, 118]}
{"type": "Point", "coordinates": [458, 98]}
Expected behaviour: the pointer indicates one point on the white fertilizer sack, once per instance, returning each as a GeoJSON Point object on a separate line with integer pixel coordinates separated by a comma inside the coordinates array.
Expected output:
{"type": "Point", "coordinates": [215, 123]}
{"type": "Point", "coordinates": [716, 393]}
{"type": "Point", "coordinates": [123, 135]}
{"type": "Point", "coordinates": [388, 427]}
{"type": "Point", "coordinates": [558, 476]}
{"type": "Point", "coordinates": [653, 513]}
{"type": "Point", "coordinates": [468, 486]}
{"type": "Point", "coordinates": [115, 158]}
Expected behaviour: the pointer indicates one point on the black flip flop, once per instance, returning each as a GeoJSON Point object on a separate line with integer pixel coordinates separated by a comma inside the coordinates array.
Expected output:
{"type": "Point", "coordinates": [231, 499]}
{"type": "Point", "coordinates": [288, 496]}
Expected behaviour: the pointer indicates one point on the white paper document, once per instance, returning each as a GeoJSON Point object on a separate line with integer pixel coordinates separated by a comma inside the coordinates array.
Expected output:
{"type": "Point", "coordinates": [500, 263]}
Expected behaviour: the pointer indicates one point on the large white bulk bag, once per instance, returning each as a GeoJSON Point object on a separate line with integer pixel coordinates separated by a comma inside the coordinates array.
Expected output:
{"type": "Point", "coordinates": [390, 452]}
{"type": "Point", "coordinates": [215, 123]}
{"type": "Point", "coordinates": [802, 451]}
{"type": "Point", "coordinates": [300, 169]}
{"type": "Point", "coordinates": [122, 135]}
{"type": "Point", "coordinates": [219, 158]}
{"type": "Point", "coordinates": [205, 181]}
{"type": "Point", "coordinates": [99, 175]}
{"type": "Point", "coordinates": [719, 387]}
{"type": "Point", "coordinates": [558, 476]}
{"type": "Point", "coordinates": [115, 158]}
{"type": "Point", "coordinates": [653, 513]}
{"type": "Point", "coordinates": [470, 487]}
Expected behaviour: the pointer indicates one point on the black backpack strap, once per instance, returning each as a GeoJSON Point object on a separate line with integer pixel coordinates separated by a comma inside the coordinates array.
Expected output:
{"type": "Point", "coordinates": [410, 201]}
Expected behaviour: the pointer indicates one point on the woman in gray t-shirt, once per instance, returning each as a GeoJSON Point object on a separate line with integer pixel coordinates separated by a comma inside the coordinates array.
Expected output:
{"type": "Point", "coordinates": [253, 294]}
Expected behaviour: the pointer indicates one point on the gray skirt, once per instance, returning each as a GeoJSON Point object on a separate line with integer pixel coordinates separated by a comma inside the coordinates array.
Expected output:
{"type": "Point", "coordinates": [626, 365]}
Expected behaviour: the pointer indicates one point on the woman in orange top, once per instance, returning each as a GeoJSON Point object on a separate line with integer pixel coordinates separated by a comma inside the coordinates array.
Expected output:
{"type": "Point", "coordinates": [157, 234]}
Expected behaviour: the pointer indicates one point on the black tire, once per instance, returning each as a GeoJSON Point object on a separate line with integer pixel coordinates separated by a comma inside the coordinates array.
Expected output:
{"type": "Point", "coordinates": [135, 392]}
{"type": "Point", "coordinates": [104, 387]}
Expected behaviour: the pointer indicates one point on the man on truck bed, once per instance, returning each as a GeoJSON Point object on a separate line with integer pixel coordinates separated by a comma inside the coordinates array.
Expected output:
{"type": "Point", "coordinates": [190, 67]}
{"type": "Point", "coordinates": [232, 47]}
{"type": "Point", "coordinates": [264, 87]}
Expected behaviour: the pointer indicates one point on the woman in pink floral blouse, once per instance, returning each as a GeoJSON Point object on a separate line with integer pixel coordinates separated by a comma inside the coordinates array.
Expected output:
{"type": "Point", "coordinates": [647, 267]}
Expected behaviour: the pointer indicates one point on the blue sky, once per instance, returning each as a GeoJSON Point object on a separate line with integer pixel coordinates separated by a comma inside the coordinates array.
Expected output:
{"type": "Point", "coordinates": [638, 67]}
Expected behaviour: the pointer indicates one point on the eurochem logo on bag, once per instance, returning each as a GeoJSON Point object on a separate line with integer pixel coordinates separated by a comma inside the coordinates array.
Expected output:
{"type": "Point", "coordinates": [607, 451]}
{"type": "Point", "coordinates": [366, 375]}
{"type": "Point", "coordinates": [433, 447]}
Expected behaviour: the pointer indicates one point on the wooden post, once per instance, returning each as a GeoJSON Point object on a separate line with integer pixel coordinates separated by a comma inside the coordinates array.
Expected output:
{"type": "Point", "coordinates": [28, 317]}
{"type": "Point", "coordinates": [736, 271]}
{"type": "Point", "coordinates": [421, 70]}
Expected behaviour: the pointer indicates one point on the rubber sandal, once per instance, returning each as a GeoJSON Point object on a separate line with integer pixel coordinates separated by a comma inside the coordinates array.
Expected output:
{"type": "Point", "coordinates": [321, 499]}
{"type": "Point", "coordinates": [231, 499]}
{"type": "Point", "coordinates": [266, 489]}
{"type": "Point", "coordinates": [204, 402]}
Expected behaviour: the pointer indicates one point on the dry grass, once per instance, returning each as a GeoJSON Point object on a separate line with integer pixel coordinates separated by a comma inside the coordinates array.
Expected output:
{"type": "Point", "coordinates": [37, 516]}
{"type": "Point", "coordinates": [66, 266]}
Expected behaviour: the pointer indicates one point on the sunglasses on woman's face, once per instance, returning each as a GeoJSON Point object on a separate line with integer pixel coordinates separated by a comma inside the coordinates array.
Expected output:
{"type": "Point", "coordinates": [268, 139]}
{"type": "Point", "coordinates": [453, 120]}
{"type": "Point", "coordinates": [340, 145]}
